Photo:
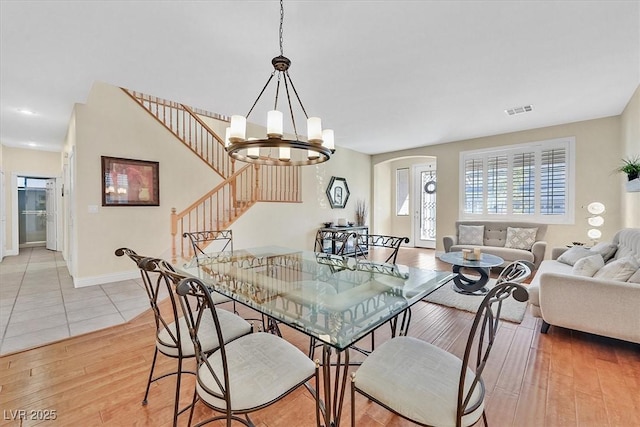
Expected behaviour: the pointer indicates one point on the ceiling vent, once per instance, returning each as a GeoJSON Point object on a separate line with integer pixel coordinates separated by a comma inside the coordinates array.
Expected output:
{"type": "Point", "coordinates": [519, 110]}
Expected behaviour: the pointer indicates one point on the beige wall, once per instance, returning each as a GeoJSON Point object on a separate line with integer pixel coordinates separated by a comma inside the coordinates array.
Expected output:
{"type": "Point", "coordinates": [24, 162]}
{"type": "Point", "coordinates": [630, 202]}
{"type": "Point", "coordinates": [598, 148]}
{"type": "Point", "coordinates": [111, 124]}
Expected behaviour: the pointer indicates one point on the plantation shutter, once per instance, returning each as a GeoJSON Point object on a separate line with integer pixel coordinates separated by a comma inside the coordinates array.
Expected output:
{"type": "Point", "coordinates": [473, 186]}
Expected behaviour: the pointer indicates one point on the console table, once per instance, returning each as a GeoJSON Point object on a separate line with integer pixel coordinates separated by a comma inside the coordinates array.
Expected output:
{"type": "Point", "coordinates": [330, 246]}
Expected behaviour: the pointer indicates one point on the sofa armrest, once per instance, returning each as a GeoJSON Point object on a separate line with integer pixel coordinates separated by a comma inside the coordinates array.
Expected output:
{"type": "Point", "coordinates": [556, 252]}
{"type": "Point", "coordinates": [603, 307]}
{"type": "Point", "coordinates": [449, 241]}
{"type": "Point", "coordinates": [538, 249]}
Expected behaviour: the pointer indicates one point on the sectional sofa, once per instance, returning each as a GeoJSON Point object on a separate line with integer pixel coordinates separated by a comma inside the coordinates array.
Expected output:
{"type": "Point", "coordinates": [494, 240]}
{"type": "Point", "coordinates": [582, 298]}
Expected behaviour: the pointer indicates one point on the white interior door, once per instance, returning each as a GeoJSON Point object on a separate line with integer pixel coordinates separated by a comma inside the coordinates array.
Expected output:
{"type": "Point", "coordinates": [424, 205]}
{"type": "Point", "coordinates": [51, 214]}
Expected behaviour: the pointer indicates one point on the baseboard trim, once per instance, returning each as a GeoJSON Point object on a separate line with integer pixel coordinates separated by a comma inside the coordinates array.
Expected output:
{"type": "Point", "coordinates": [105, 278]}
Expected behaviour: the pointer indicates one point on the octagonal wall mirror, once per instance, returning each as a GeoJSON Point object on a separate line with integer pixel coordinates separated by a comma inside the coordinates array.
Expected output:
{"type": "Point", "coordinates": [338, 192]}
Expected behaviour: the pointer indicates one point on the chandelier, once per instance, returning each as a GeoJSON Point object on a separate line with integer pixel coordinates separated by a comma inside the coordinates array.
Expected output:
{"type": "Point", "coordinates": [275, 149]}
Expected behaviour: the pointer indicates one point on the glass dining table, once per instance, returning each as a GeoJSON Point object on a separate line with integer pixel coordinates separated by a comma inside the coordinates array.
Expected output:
{"type": "Point", "coordinates": [335, 300]}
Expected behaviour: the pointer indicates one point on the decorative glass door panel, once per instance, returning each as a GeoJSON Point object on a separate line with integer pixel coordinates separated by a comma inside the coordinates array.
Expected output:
{"type": "Point", "coordinates": [425, 184]}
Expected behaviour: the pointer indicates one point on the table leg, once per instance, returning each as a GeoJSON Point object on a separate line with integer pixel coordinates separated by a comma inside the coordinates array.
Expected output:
{"type": "Point", "coordinates": [470, 286]}
{"type": "Point", "coordinates": [334, 393]}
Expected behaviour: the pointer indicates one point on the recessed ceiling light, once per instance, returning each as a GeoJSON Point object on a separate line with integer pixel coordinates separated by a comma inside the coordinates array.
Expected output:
{"type": "Point", "coordinates": [519, 110]}
{"type": "Point", "coordinates": [25, 111]}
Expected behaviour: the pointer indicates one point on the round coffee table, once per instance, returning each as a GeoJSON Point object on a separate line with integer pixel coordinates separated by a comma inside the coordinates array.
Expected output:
{"type": "Point", "coordinates": [471, 285]}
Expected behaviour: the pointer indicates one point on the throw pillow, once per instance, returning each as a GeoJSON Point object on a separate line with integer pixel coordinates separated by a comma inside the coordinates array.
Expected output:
{"type": "Point", "coordinates": [620, 269]}
{"type": "Point", "coordinates": [471, 235]}
{"type": "Point", "coordinates": [606, 249]}
{"type": "Point", "coordinates": [572, 255]}
{"type": "Point", "coordinates": [635, 278]}
{"type": "Point", "coordinates": [588, 266]}
{"type": "Point", "coordinates": [521, 238]}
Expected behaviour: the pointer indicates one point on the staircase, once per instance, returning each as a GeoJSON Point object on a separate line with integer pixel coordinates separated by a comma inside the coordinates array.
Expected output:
{"type": "Point", "coordinates": [238, 191]}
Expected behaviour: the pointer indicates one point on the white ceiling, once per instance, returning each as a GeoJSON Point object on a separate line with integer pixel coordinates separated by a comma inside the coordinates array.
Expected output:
{"type": "Point", "coordinates": [386, 75]}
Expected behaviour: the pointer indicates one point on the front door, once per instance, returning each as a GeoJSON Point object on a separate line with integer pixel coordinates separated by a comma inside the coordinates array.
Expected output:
{"type": "Point", "coordinates": [424, 208]}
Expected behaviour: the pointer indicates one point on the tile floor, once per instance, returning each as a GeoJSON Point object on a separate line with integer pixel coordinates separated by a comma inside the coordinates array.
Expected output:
{"type": "Point", "coordinates": [38, 303]}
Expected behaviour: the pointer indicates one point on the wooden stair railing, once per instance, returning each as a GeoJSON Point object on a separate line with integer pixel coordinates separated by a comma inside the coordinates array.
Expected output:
{"type": "Point", "coordinates": [240, 190]}
{"type": "Point", "coordinates": [185, 123]}
{"type": "Point", "coordinates": [223, 205]}
{"type": "Point", "coordinates": [216, 210]}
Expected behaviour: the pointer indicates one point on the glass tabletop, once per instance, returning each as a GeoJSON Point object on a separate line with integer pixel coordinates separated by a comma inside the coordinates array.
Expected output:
{"type": "Point", "coordinates": [336, 299]}
{"type": "Point", "coordinates": [485, 261]}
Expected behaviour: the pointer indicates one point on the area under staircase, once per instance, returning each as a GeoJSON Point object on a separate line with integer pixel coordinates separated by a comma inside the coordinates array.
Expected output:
{"type": "Point", "coordinates": [239, 190]}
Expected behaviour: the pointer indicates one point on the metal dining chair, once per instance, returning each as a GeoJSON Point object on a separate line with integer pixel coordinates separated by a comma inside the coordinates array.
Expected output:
{"type": "Point", "coordinates": [171, 335]}
{"type": "Point", "coordinates": [244, 375]}
{"type": "Point", "coordinates": [428, 385]}
{"type": "Point", "coordinates": [338, 240]}
{"type": "Point", "coordinates": [364, 242]}
{"type": "Point", "coordinates": [517, 271]}
{"type": "Point", "coordinates": [214, 240]}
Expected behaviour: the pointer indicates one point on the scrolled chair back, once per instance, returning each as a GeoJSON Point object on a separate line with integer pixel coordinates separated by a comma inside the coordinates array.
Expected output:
{"type": "Point", "coordinates": [198, 308]}
{"type": "Point", "coordinates": [367, 241]}
{"type": "Point", "coordinates": [517, 271]}
{"type": "Point", "coordinates": [200, 240]}
{"type": "Point", "coordinates": [483, 333]}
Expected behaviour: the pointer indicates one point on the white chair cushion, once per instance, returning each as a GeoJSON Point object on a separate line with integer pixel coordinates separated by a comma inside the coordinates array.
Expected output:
{"type": "Point", "coordinates": [588, 266]}
{"type": "Point", "coordinates": [471, 235]}
{"type": "Point", "coordinates": [417, 380]}
{"type": "Point", "coordinates": [233, 326]}
{"type": "Point", "coordinates": [262, 367]}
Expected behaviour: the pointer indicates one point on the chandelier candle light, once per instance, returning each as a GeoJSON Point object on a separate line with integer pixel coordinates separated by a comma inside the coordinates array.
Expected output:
{"type": "Point", "coordinates": [318, 147]}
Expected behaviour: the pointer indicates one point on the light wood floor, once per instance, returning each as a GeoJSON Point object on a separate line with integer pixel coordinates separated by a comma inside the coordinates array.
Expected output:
{"type": "Point", "coordinates": [564, 378]}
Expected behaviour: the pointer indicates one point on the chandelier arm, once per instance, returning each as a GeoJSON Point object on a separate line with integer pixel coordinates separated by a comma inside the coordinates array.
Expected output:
{"type": "Point", "coordinates": [261, 92]}
{"type": "Point", "coordinates": [296, 92]}
{"type": "Point", "coordinates": [293, 119]}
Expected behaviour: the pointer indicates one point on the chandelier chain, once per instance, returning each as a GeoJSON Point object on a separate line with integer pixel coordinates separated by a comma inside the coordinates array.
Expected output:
{"type": "Point", "coordinates": [281, 21]}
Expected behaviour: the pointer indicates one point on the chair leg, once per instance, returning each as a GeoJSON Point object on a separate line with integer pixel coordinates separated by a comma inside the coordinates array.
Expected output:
{"type": "Point", "coordinates": [193, 403]}
{"type": "Point", "coordinates": [153, 365]}
{"type": "Point", "coordinates": [176, 405]}
{"type": "Point", "coordinates": [353, 401]}
{"type": "Point", "coordinates": [484, 419]}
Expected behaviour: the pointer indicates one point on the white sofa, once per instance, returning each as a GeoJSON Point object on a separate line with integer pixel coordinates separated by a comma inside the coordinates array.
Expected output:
{"type": "Point", "coordinates": [495, 236]}
{"type": "Point", "coordinates": [599, 306]}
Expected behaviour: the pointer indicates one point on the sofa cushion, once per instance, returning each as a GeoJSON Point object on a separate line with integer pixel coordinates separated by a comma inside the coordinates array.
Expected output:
{"type": "Point", "coordinates": [588, 266]}
{"type": "Point", "coordinates": [621, 269]}
{"type": "Point", "coordinates": [606, 249]}
{"type": "Point", "coordinates": [635, 277]}
{"type": "Point", "coordinates": [471, 235]}
{"type": "Point", "coordinates": [572, 255]}
{"type": "Point", "coordinates": [520, 238]}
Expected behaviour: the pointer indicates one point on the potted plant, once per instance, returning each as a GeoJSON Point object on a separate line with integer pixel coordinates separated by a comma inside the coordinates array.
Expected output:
{"type": "Point", "coordinates": [630, 166]}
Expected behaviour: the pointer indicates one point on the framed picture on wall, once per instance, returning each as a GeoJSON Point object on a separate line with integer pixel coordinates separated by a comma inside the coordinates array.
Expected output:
{"type": "Point", "coordinates": [338, 192]}
{"type": "Point", "coordinates": [129, 182]}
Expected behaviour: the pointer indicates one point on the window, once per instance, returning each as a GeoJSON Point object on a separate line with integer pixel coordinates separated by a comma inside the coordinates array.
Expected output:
{"type": "Point", "coordinates": [530, 182]}
{"type": "Point", "coordinates": [402, 192]}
